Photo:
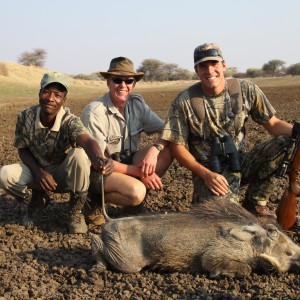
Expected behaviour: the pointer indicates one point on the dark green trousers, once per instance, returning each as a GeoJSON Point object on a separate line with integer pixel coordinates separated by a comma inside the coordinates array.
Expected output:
{"type": "Point", "coordinates": [258, 170]}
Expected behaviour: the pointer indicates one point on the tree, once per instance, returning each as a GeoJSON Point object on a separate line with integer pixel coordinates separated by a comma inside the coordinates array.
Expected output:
{"type": "Point", "coordinates": [230, 71]}
{"type": "Point", "coordinates": [152, 69]}
{"type": "Point", "coordinates": [169, 69]}
{"type": "Point", "coordinates": [273, 67]}
{"type": "Point", "coordinates": [254, 72]}
{"type": "Point", "coordinates": [181, 74]}
{"type": "Point", "coordinates": [294, 69]}
{"type": "Point", "coordinates": [35, 58]}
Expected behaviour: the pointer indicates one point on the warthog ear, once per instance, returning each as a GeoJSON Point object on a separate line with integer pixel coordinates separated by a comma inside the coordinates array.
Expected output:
{"type": "Point", "coordinates": [245, 233]}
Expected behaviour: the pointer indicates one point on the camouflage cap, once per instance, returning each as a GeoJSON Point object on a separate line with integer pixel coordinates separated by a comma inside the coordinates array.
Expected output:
{"type": "Point", "coordinates": [55, 77]}
{"type": "Point", "coordinates": [207, 51]}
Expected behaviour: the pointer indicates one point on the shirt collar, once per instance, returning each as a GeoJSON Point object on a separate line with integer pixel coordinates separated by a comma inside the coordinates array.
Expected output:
{"type": "Point", "coordinates": [110, 106]}
{"type": "Point", "coordinates": [57, 123]}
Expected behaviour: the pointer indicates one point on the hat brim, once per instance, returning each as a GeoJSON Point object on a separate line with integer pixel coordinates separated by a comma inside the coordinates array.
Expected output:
{"type": "Point", "coordinates": [137, 76]}
{"type": "Point", "coordinates": [54, 81]}
{"type": "Point", "coordinates": [215, 58]}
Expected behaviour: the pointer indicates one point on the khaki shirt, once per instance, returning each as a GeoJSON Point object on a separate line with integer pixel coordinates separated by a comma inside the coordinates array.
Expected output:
{"type": "Point", "coordinates": [114, 132]}
{"type": "Point", "coordinates": [183, 126]}
{"type": "Point", "coordinates": [48, 146]}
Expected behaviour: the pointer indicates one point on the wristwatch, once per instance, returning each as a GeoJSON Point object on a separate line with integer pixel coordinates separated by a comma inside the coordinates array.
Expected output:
{"type": "Point", "coordinates": [159, 147]}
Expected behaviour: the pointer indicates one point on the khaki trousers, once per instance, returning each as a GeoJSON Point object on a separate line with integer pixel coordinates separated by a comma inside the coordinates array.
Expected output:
{"type": "Point", "coordinates": [71, 175]}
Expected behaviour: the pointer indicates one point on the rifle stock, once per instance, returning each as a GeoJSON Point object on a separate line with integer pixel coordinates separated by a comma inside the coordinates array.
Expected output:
{"type": "Point", "coordinates": [287, 209]}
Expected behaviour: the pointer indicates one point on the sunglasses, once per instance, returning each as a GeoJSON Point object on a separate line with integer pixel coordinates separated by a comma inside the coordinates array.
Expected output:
{"type": "Point", "coordinates": [120, 80]}
{"type": "Point", "coordinates": [205, 53]}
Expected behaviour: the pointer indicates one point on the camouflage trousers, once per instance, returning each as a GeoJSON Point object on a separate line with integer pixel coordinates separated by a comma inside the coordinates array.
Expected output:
{"type": "Point", "coordinates": [258, 170]}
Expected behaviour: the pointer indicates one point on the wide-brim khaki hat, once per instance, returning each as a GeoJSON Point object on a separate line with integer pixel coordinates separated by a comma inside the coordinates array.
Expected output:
{"type": "Point", "coordinates": [122, 66]}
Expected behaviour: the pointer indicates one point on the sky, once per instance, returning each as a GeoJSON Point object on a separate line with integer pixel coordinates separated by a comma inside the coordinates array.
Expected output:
{"type": "Point", "coordinates": [81, 37]}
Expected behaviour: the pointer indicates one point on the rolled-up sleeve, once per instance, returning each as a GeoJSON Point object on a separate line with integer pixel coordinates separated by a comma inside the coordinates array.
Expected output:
{"type": "Point", "coordinates": [176, 128]}
{"type": "Point", "coordinates": [93, 121]}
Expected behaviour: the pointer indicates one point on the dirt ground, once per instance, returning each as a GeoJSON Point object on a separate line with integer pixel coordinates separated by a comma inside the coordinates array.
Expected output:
{"type": "Point", "coordinates": [48, 263]}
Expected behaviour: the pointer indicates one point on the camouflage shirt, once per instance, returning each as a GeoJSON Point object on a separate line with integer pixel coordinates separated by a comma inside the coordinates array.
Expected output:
{"type": "Point", "coordinates": [48, 146]}
{"type": "Point", "coordinates": [184, 127]}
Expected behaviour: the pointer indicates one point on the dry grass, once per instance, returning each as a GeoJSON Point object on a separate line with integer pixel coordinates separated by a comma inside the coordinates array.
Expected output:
{"type": "Point", "coordinates": [278, 81]}
{"type": "Point", "coordinates": [3, 69]}
{"type": "Point", "coordinates": [21, 84]}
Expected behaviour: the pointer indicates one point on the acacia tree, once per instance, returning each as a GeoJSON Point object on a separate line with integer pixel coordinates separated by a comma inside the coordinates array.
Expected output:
{"type": "Point", "coordinates": [169, 69]}
{"type": "Point", "coordinates": [152, 69]}
{"type": "Point", "coordinates": [273, 66]}
{"type": "Point", "coordinates": [294, 69]}
{"type": "Point", "coordinates": [181, 74]}
{"type": "Point", "coordinates": [254, 72]}
{"type": "Point", "coordinates": [35, 58]}
{"type": "Point", "coordinates": [230, 71]}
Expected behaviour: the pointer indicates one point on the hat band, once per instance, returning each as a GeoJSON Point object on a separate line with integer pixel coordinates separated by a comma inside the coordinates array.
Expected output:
{"type": "Point", "coordinates": [205, 53]}
{"type": "Point", "coordinates": [120, 70]}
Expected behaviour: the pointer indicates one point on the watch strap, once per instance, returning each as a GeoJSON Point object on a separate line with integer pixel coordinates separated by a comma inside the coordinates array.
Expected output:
{"type": "Point", "coordinates": [159, 147]}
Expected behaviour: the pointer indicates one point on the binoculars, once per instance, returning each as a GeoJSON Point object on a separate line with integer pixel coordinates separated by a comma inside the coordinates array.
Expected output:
{"type": "Point", "coordinates": [118, 156]}
{"type": "Point", "coordinates": [223, 151]}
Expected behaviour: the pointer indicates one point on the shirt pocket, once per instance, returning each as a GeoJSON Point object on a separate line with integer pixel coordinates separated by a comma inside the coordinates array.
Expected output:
{"type": "Point", "coordinates": [114, 143]}
{"type": "Point", "coordinates": [114, 139]}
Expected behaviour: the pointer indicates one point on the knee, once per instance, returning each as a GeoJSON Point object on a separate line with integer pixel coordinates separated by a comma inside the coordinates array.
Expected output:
{"type": "Point", "coordinates": [137, 194]}
{"type": "Point", "coordinates": [4, 175]}
{"type": "Point", "coordinates": [79, 158]}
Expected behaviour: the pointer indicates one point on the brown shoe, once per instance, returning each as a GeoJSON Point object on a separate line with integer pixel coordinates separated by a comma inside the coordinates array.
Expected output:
{"type": "Point", "coordinates": [94, 216]}
{"type": "Point", "coordinates": [92, 211]}
{"type": "Point", "coordinates": [258, 210]}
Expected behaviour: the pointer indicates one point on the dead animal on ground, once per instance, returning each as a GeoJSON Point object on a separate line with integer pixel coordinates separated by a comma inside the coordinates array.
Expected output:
{"type": "Point", "coordinates": [218, 237]}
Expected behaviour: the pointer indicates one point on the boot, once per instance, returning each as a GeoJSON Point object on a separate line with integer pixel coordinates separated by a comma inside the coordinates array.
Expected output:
{"type": "Point", "coordinates": [93, 211]}
{"type": "Point", "coordinates": [39, 201]}
{"type": "Point", "coordinates": [76, 222]}
{"type": "Point", "coordinates": [258, 210]}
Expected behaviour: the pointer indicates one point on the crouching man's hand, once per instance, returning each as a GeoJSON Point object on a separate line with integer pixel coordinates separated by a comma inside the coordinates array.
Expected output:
{"type": "Point", "coordinates": [104, 165]}
{"type": "Point", "coordinates": [108, 167]}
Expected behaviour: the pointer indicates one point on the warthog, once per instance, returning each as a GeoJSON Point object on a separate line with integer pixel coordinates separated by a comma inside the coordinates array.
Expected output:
{"type": "Point", "coordinates": [219, 237]}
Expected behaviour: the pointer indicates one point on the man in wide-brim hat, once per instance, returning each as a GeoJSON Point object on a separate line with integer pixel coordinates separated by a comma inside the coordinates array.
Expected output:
{"type": "Point", "coordinates": [116, 121]}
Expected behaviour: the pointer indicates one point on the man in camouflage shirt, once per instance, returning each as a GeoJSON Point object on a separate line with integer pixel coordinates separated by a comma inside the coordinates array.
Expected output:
{"type": "Point", "coordinates": [193, 140]}
{"type": "Point", "coordinates": [56, 153]}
